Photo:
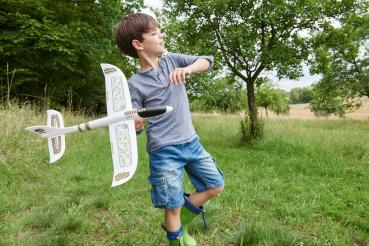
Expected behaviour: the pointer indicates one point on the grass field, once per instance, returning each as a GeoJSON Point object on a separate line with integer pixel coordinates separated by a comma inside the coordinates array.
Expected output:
{"type": "Point", "coordinates": [305, 183]}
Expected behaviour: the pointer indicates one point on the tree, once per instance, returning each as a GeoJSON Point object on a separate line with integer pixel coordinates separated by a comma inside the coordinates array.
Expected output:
{"type": "Point", "coordinates": [328, 100]}
{"type": "Point", "coordinates": [333, 97]}
{"type": "Point", "coordinates": [300, 95]}
{"type": "Point", "coordinates": [253, 36]}
{"type": "Point", "coordinates": [341, 55]}
{"type": "Point", "coordinates": [56, 47]}
{"type": "Point", "coordinates": [269, 97]}
{"type": "Point", "coordinates": [222, 94]}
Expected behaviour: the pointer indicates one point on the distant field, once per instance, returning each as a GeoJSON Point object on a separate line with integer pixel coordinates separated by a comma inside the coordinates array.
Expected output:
{"type": "Point", "coordinates": [302, 111]}
{"type": "Point", "coordinates": [305, 183]}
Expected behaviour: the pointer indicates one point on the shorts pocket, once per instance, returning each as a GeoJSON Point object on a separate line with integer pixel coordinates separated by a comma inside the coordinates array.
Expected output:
{"type": "Point", "coordinates": [159, 190]}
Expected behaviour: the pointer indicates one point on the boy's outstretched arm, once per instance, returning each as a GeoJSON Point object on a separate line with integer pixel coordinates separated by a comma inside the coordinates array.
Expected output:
{"type": "Point", "coordinates": [178, 75]}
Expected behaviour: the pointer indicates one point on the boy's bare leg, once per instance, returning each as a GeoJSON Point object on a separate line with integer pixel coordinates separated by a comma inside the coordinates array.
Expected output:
{"type": "Point", "coordinates": [171, 219]}
{"type": "Point", "coordinates": [172, 216]}
{"type": "Point", "coordinates": [199, 198]}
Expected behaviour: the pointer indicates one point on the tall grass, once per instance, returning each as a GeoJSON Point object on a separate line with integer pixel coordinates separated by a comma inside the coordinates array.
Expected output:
{"type": "Point", "coordinates": [304, 183]}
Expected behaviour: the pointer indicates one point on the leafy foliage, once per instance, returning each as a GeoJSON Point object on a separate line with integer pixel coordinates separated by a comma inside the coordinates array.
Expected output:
{"type": "Point", "coordinates": [333, 100]}
{"type": "Point", "coordinates": [56, 48]}
{"type": "Point", "coordinates": [252, 36]}
{"type": "Point", "coordinates": [300, 95]}
{"type": "Point", "coordinates": [341, 55]}
{"type": "Point", "coordinates": [221, 94]}
{"type": "Point", "coordinates": [247, 134]}
{"type": "Point", "coordinates": [269, 97]}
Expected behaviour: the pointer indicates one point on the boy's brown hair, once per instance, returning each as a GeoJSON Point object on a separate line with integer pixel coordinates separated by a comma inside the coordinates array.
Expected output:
{"type": "Point", "coordinates": [132, 27]}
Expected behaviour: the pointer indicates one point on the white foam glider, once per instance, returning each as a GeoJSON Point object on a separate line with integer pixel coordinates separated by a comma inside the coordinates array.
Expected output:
{"type": "Point", "coordinates": [120, 120]}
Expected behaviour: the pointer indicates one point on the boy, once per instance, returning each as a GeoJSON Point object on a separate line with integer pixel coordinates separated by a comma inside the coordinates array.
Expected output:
{"type": "Point", "coordinates": [172, 143]}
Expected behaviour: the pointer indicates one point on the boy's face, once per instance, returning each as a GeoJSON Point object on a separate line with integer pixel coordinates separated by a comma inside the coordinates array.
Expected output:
{"type": "Point", "coordinates": [152, 43]}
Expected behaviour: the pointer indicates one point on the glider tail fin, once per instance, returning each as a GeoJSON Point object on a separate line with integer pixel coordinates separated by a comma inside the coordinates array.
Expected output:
{"type": "Point", "coordinates": [56, 143]}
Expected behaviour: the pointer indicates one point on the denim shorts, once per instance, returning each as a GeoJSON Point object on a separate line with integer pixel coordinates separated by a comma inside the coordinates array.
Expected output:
{"type": "Point", "coordinates": [167, 165]}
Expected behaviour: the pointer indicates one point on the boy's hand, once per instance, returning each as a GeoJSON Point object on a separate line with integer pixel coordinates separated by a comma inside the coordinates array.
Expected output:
{"type": "Point", "coordinates": [139, 124]}
{"type": "Point", "coordinates": [178, 75]}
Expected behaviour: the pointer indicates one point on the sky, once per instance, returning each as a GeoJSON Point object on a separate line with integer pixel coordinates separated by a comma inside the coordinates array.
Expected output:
{"type": "Point", "coordinates": [285, 84]}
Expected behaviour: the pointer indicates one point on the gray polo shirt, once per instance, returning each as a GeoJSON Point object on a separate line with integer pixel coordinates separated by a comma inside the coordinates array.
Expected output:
{"type": "Point", "coordinates": [153, 88]}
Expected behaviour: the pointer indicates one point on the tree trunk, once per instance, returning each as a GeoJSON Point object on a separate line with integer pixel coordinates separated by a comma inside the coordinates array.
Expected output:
{"type": "Point", "coordinates": [266, 112]}
{"type": "Point", "coordinates": [252, 107]}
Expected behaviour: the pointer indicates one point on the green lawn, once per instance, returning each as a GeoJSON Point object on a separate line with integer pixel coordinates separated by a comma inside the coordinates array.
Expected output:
{"type": "Point", "coordinates": [305, 183]}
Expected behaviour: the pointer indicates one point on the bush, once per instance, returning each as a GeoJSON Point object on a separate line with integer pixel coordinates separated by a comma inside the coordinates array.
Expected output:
{"type": "Point", "coordinates": [198, 105]}
{"type": "Point", "coordinates": [245, 129]}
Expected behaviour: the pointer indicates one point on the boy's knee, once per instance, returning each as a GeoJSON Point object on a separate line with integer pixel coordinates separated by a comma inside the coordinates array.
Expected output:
{"type": "Point", "coordinates": [173, 211]}
{"type": "Point", "coordinates": [215, 191]}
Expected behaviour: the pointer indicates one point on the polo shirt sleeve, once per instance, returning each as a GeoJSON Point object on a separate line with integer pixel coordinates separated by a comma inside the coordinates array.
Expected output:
{"type": "Point", "coordinates": [182, 60]}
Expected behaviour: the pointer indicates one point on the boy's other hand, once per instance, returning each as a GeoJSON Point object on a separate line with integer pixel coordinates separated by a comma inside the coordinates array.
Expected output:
{"type": "Point", "coordinates": [178, 75]}
{"type": "Point", "coordinates": [139, 124]}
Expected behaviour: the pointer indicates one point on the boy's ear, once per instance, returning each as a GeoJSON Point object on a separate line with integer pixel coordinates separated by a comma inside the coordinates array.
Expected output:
{"type": "Point", "coordinates": [137, 44]}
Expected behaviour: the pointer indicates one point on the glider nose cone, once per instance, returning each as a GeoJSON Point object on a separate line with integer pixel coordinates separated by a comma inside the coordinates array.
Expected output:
{"type": "Point", "coordinates": [169, 109]}
{"type": "Point", "coordinates": [149, 112]}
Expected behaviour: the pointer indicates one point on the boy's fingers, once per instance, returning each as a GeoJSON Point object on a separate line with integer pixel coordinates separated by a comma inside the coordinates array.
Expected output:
{"type": "Point", "coordinates": [176, 78]}
{"type": "Point", "coordinates": [138, 121]}
{"type": "Point", "coordinates": [138, 124]}
{"type": "Point", "coordinates": [183, 76]}
{"type": "Point", "coordinates": [179, 76]}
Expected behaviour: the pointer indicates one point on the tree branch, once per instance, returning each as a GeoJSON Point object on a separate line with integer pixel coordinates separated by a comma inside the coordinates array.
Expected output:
{"type": "Point", "coordinates": [236, 57]}
{"type": "Point", "coordinates": [258, 71]}
{"type": "Point", "coordinates": [222, 48]}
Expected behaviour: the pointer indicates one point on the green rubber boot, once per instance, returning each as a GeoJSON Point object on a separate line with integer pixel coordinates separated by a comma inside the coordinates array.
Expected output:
{"type": "Point", "coordinates": [178, 242]}
{"type": "Point", "coordinates": [175, 238]}
{"type": "Point", "coordinates": [188, 213]}
{"type": "Point", "coordinates": [186, 217]}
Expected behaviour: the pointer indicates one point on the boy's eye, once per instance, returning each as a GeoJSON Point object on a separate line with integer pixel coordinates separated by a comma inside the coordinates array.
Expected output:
{"type": "Point", "coordinates": [156, 32]}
